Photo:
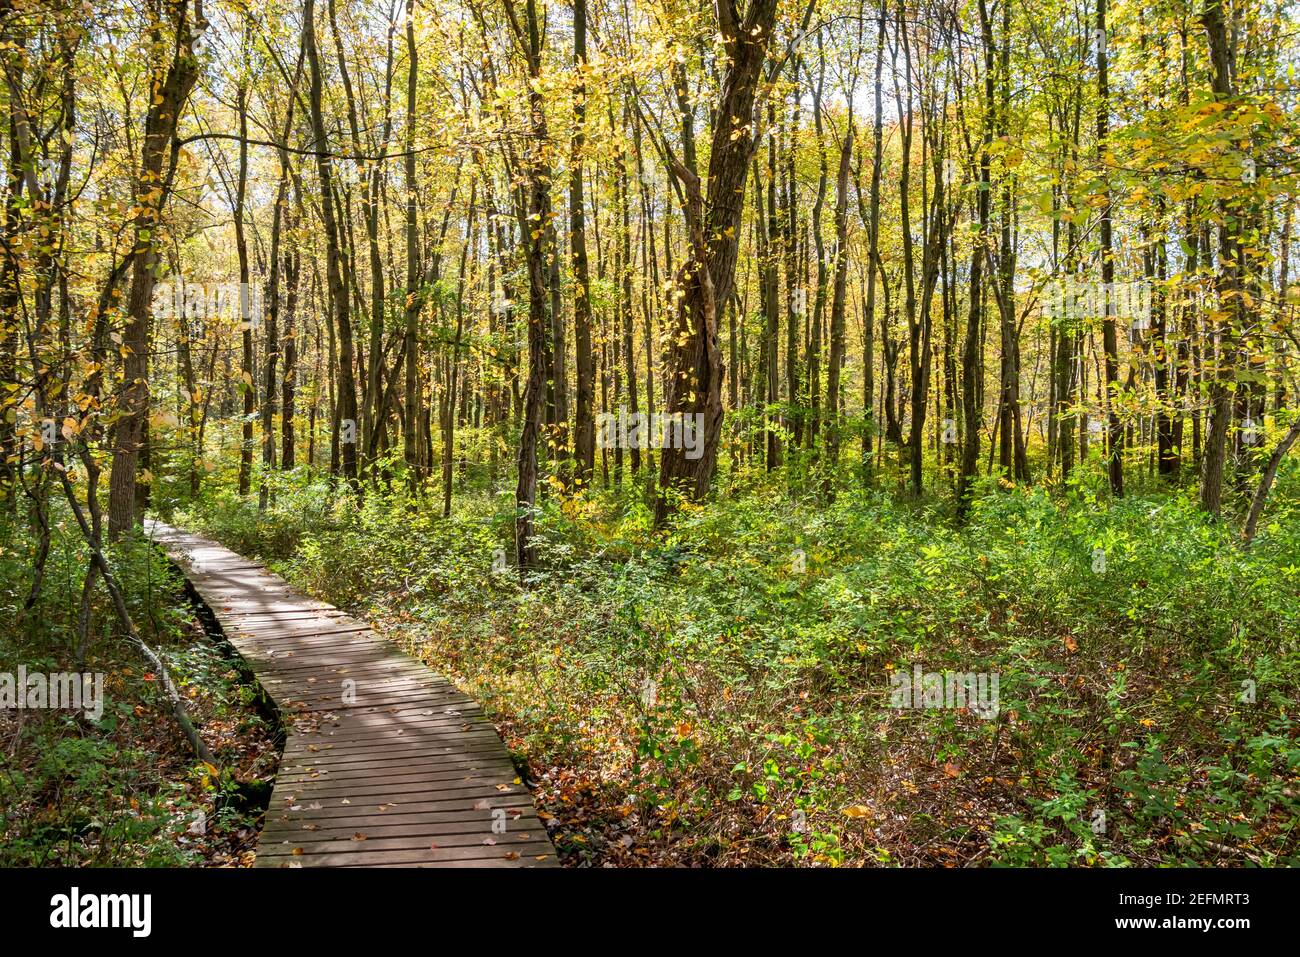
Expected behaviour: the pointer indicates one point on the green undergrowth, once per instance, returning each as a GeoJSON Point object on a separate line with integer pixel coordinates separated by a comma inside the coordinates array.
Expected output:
{"type": "Point", "coordinates": [120, 786]}
{"type": "Point", "coordinates": [720, 693]}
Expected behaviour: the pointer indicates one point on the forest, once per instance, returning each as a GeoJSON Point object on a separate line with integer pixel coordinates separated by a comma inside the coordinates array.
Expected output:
{"type": "Point", "coordinates": [814, 433]}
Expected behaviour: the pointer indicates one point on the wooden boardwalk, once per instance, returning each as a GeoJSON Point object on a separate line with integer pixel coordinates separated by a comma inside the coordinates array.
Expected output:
{"type": "Point", "coordinates": [385, 763]}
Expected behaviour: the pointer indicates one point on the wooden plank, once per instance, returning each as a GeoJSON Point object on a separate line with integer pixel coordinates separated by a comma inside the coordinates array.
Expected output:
{"type": "Point", "coordinates": [526, 855]}
{"type": "Point", "coordinates": [366, 765]}
{"type": "Point", "coordinates": [395, 748]}
{"type": "Point", "coordinates": [396, 771]}
{"type": "Point", "coordinates": [396, 777]}
{"type": "Point", "coordinates": [429, 832]}
{"type": "Point", "coordinates": [307, 809]}
{"type": "Point", "coordinates": [323, 789]}
{"type": "Point", "coordinates": [406, 772]}
{"type": "Point", "coordinates": [502, 844]}
{"type": "Point", "coordinates": [480, 863]}
{"type": "Point", "coordinates": [405, 765]}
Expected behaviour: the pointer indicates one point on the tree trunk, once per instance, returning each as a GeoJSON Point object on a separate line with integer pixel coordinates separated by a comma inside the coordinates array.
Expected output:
{"type": "Point", "coordinates": [1109, 338]}
{"type": "Point", "coordinates": [706, 278]}
{"type": "Point", "coordinates": [153, 187]}
{"type": "Point", "coordinates": [1227, 281]}
{"type": "Point", "coordinates": [585, 422]}
{"type": "Point", "coordinates": [346, 406]}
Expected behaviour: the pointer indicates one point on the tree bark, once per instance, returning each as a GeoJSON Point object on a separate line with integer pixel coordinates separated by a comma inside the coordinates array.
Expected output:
{"type": "Point", "coordinates": [346, 406]}
{"type": "Point", "coordinates": [168, 94]}
{"type": "Point", "coordinates": [706, 278]}
{"type": "Point", "coordinates": [585, 421]}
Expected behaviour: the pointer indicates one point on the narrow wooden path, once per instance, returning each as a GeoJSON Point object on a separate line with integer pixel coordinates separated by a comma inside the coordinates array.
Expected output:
{"type": "Point", "coordinates": [385, 763]}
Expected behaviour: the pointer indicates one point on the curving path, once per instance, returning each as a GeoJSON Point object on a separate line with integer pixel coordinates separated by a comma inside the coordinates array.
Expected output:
{"type": "Point", "coordinates": [385, 763]}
